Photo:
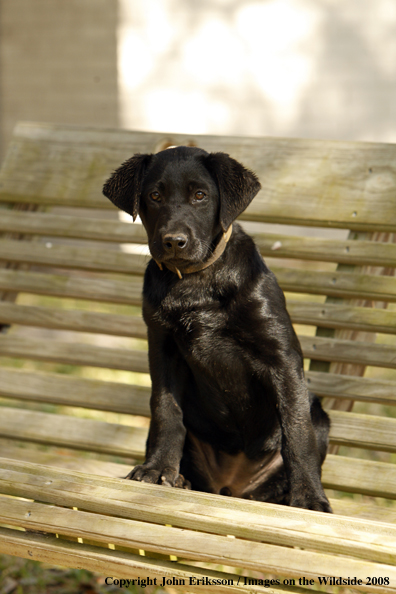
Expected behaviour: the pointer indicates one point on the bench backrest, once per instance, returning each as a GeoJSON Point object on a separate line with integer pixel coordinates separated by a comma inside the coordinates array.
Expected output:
{"type": "Point", "coordinates": [71, 273]}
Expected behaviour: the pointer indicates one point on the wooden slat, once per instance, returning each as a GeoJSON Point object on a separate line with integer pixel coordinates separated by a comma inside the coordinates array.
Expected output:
{"type": "Point", "coordinates": [326, 250]}
{"type": "Point", "coordinates": [67, 256]}
{"type": "Point", "coordinates": [337, 284]}
{"type": "Point", "coordinates": [270, 245]}
{"type": "Point", "coordinates": [76, 287]}
{"type": "Point", "coordinates": [72, 227]}
{"type": "Point", "coordinates": [363, 431]}
{"type": "Point", "coordinates": [365, 508]}
{"type": "Point", "coordinates": [354, 430]}
{"type": "Point", "coordinates": [74, 354]}
{"type": "Point", "coordinates": [196, 511]}
{"type": "Point", "coordinates": [76, 320]}
{"type": "Point", "coordinates": [72, 432]}
{"type": "Point", "coordinates": [348, 351]}
{"type": "Point", "coordinates": [52, 550]}
{"type": "Point", "coordinates": [73, 391]}
{"type": "Point", "coordinates": [307, 182]}
{"type": "Point", "coordinates": [301, 281]}
{"type": "Point", "coordinates": [373, 478]}
{"type": "Point", "coordinates": [193, 544]}
{"type": "Point", "coordinates": [340, 316]}
{"type": "Point", "coordinates": [377, 479]}
{"type": "Point", "coordinates": [130, 399]}
{"type": "Point", "coordinates": [353, 388]}
{"type": "Point", "coordinates": [324, 349]}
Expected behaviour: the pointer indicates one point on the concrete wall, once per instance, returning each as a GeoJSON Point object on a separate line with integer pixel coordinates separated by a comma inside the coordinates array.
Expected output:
{"type": "Point", "coordinates": [304, 68]}
{"type": "Point", "coordinates": [58, 63]}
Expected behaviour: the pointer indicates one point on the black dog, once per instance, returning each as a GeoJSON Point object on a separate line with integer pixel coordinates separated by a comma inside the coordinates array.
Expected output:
{"type": "Point", "coordinates": [231, 413]}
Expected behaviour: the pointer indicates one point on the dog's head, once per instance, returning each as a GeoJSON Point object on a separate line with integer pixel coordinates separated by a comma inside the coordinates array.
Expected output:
{"type": "Point", "coordinates": [185, 197]}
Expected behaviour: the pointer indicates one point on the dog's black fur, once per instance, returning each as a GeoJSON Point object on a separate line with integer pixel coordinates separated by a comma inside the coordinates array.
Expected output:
{"type": "Point", "coordinates": [231, 413]}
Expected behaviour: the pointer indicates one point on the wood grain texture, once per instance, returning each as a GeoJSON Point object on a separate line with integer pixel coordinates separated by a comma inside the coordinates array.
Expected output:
{"type": "Point", "coordinates": [72, 227]}
{"type": "Point", "coordinates": [337, 284]}
{"type": "Point", "coordinates": [348, 351]}
{"type": "Point", "coordinates": [124, 565]}
{"type": "Point", "coordinates": [71, 353]}
{"type": "Point", "coordinates": [355, 475]}
{"type": "Point", "coordinates": [342, 315]}
{"type": "Point", "coordinates": [129, 292]}
{"type": "Point", "coordinates": [271, 245]}
{"type": "Point", "coordinates": [364, 431]}
{"type": "Point", "coordinates": [188, 544]}
{"type": "Point", "coordinates": [74, 320]}
{"type": "Point", "coordinates": [67, 390]}
{"type": "Point", "coordinates": [76, 287]}
{"type": "Point", "coordinates": [369, 477]}
{"type": "Point", "coordinates": [351, 429]}
{"type": "Point", "coordinates": [308, 182]}
{"type": "Point", "coordinates": [130, 399]}
{"type": "Point", "coordinates": [73, 432]}
{"type": "Point", "coordinates": [67, 256]}
{"type": "Point", "coordinates": [195, 511]}
{"type": "Point", "coordinates": [352, 388]}
{"type": "Point", "coordinates": [308, 313]}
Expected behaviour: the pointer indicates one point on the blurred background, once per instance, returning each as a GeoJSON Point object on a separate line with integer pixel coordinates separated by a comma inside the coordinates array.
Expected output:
{"type": "Point", "coordinates": [304, 68]}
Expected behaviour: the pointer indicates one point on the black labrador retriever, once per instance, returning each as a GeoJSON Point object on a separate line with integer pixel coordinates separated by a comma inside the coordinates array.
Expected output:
{"type": "Point", "coordinates": [231, 413]}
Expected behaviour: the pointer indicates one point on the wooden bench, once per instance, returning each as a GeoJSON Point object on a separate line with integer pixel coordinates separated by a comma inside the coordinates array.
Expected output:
{"type": "Point", "coordinates": [73, 366]}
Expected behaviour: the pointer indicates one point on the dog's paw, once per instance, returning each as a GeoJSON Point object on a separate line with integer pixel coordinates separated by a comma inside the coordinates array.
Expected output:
{"type": "Point", "coordinates": [166, 476]}
{"type": "Point", "coordinates": [313, 501]}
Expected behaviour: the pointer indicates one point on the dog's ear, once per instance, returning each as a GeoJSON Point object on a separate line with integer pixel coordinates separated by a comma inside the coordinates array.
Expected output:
{"type": "Point", "coordinates": [237, 186]}
{"type": "Point", "coordinates": [123, 188]}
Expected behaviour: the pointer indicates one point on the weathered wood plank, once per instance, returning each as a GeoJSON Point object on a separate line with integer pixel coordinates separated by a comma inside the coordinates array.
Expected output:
{"type": "Point", "coordinates": [364, 431]}
{"type": "Point", "coordinates": [73, 391]}
{"type": "Point", "coordinates": [326, 250]}
{"type": "Point", "coordinates": [368, 477]}
{"type": "Point", "coordinates": [72, 432]}
{"type": "Point", "coordinates": [271, 245]}
{"type": "Point", "coordinates": [325, 349]}
{"type": "Point", "coordinates": [49, 549]}
{"type": "Point", "coordinates": [308, 182]}
{"type": "Point", "coordinates": [377, 479]}
{"type": "Point", "coordinates": [76, 320]}
{"type": "Point", "coordinates": [67, 256]}
{"type": "Point", "coordinates": [348, 351]}
{"type": "Point", "coordinates": [339, 316]}
{"type": "Point", "coordinates": [57, 285]}
{"type": "Point", "coordinates": [194, 544]}
{"type": "Point", "coordinates": [337, 284]}
{"type": "Point", "coordinates": [350, 429]}
{"type": "Point", "coordinates": [74, 354]}
{"type": "Point", "coordinates": [196, 511]}
{"type": "Point", "coordinates": [72, 227]}
{"type": "Point", "coordinates": [130, 399]}
{"type": "Point", "coordinates": [352, 388]}
{"type": "Point", "coordinates": [327, 315]}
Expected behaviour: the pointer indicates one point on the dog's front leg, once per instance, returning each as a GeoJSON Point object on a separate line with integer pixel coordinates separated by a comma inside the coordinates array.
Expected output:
{"type": "Point", "coordinates": [167, 432]}
{"type": "Point", "coordinates": [299, 446]}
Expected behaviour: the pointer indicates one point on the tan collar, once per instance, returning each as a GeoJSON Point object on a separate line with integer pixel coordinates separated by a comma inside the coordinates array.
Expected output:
{"type": "Point", "coordinates": [219, 249]}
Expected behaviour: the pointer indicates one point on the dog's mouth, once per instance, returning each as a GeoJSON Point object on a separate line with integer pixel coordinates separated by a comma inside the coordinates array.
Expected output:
{"type": "Point", "coordinates": [179, 258]}
{"type": "Point", "coordinates": [178, 262]}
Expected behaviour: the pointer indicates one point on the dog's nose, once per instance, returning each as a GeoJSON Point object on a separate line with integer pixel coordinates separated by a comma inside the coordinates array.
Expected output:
{"type": "Point", "coordinates": [174, 241]}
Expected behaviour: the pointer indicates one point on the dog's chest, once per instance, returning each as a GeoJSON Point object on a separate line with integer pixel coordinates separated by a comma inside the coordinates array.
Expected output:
{"type": "Point", "coordinates": [197, 326]}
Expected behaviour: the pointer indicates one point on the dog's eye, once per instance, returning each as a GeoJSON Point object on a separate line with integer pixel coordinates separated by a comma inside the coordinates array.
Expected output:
{"type": "Point", "coordinates": [155, 196]}
{"type": "Point", "coordinates": [199, 195]}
